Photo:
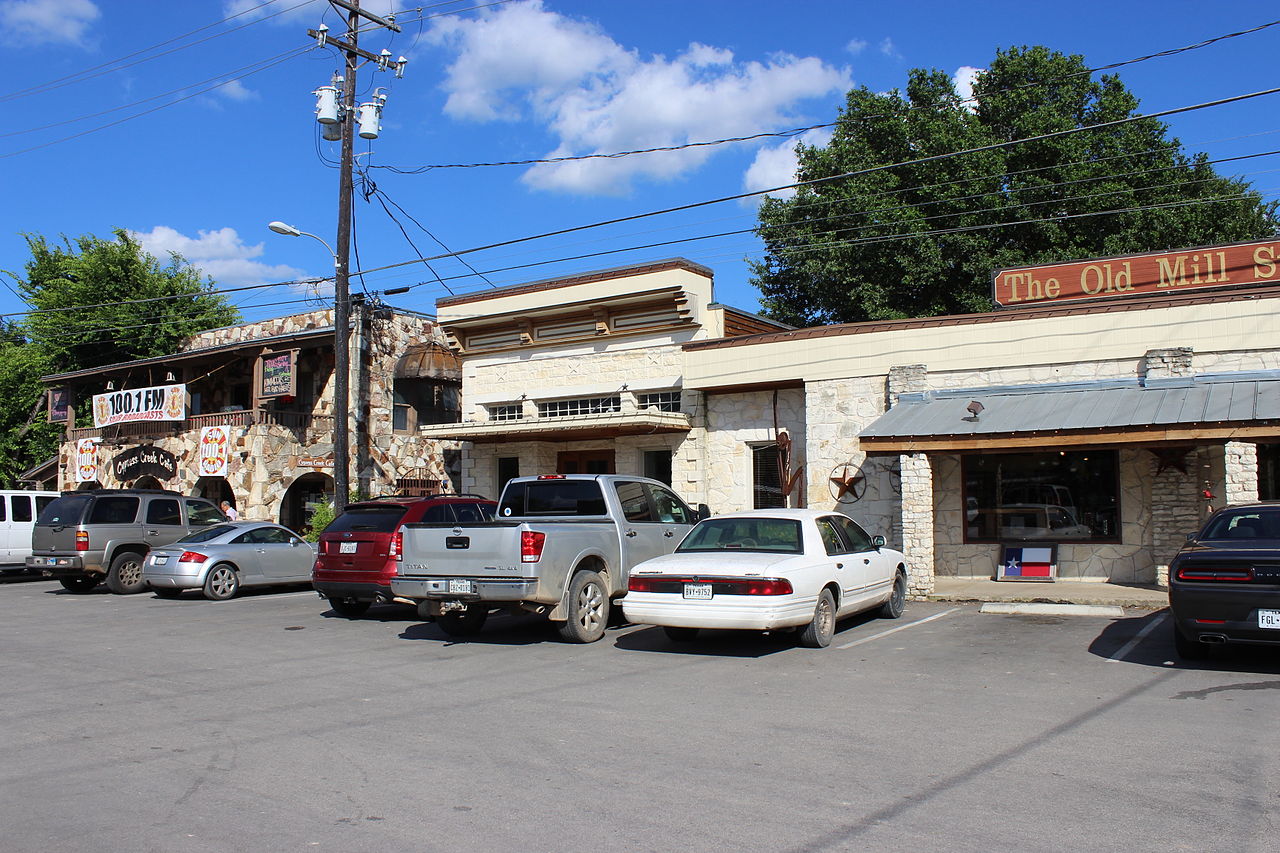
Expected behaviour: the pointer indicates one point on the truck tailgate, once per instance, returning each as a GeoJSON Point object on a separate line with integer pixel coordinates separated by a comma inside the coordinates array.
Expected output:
{"type": "Point", "coordinates": [461, 550]}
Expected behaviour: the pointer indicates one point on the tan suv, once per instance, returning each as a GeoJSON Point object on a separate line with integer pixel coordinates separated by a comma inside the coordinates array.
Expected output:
{"type": "Point", "coordinates": [83, 538]}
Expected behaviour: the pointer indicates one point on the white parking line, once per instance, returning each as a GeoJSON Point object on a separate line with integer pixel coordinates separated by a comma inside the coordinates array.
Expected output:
{"type": "Point", "coordinates": [899, 628]}
{"type": "Point", "coordinates": [1138, 638]}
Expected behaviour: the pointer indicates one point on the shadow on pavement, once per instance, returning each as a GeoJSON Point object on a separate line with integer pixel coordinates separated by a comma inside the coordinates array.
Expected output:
{"type": "Point", "coordinates": [500, 629]}
{"type": "Point", "coordinates": [1156, 650]}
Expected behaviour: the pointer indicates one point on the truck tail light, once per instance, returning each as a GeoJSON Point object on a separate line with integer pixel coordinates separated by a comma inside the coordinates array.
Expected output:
{"type": "Point", "coordinates": [396, 548]}
{"type": "Point", "coordinates": [531, 544]}
{"type": "Point", "coordinates": [82, 540]}
{"type": "Point", "coordinates": [192, 557]}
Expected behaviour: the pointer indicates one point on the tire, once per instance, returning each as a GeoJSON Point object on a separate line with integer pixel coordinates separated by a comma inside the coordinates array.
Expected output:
{"type": "Point", "coordinates": [681, 635]}
{"type": "Point", "coordinates": [588, 609]}
{"type": "Point", "coordinates": [818, 633]}
{"type": "Point", "coordinates": [463, 623]}
{"type": "Point", "coordinates": [81, 583]}
{"type": "Point", "coordinates": [166, 592]}
{"type": "Point", "coordinates": [221, 583]}
{"type": "Point", "coordinates": [352, 608]}
{"type": "Point", "coordinates": [125, 575]}
{"type": "Point", "coordinates": [897, 602]}
{"type": "Point", "coordinates": [1187, 648]}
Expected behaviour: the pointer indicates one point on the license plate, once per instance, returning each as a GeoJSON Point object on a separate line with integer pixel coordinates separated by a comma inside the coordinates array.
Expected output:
{"type": "Point", "coordinates": [697, 590]}
{"type": "Point", "coordinates": [461, 587]}
{"type": "Point", "coordinates": [346, 547]}
{"type": "Point", "coordinates": [161, 559]}
{"type": "Point", "coordinates": [1269, 619]}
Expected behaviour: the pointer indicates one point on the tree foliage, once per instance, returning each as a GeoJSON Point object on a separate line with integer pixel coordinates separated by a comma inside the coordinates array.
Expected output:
{"type": "Point", "coordinates": [94, 302]}
{"type": "Point", "coordinates": [923, 239]}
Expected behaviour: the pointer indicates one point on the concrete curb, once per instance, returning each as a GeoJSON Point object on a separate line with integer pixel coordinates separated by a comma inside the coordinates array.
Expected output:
{"type": "Point", "coordinates": [1127, 603]}
{"type": "Point", "coordinates": [1009, 608]}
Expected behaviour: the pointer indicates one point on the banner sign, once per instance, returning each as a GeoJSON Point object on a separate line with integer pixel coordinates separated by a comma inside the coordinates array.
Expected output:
{"type": "Point", "coordinates": [215, 447]}
{"type": "Point", "coordinates": [86, 461]}
{"type": "Point", "coordinates": [59, 404]}
{"type": "Point", "coordinates": [144, 461]}
{"type": "Point", "coordinates": [158, 403]}
{"type": "Point", "coordinates": [1139, 275]}
{"type": "Point", "coordinates": [279, 375]}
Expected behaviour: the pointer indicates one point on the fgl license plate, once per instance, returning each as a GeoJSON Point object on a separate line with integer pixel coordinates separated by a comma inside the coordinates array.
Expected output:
{"type": "Point", "coordinates": [1269, 619]}
{"type": "Point", "coordinates": [461, 587]}
{"type": "Point", "coordinates": [346, 547]}
{"type": "Point", "coordinates": [697, 590]}
{"type": "Point", "coordinates": [161, 559]}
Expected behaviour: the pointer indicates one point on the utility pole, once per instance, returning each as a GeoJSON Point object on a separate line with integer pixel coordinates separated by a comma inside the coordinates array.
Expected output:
{"type": "Point", "coordinates": [369, 114]}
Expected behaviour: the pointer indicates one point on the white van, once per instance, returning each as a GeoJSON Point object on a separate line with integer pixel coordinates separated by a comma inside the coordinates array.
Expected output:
{"type": "Point", "coordinates": [18, 511]}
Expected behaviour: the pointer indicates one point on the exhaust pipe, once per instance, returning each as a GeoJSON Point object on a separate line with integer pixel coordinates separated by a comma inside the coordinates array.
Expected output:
{"type": "Point", "coordinates": [1213, 639]}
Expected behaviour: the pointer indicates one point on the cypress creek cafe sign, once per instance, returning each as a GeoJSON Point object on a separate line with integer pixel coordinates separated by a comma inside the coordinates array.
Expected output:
{"type": "Point", "coordinates": [158, 403]}
{"type": "Point", "coordinates": [144, 461]}
{"type": "Point", "coordinates": [1144, 274]}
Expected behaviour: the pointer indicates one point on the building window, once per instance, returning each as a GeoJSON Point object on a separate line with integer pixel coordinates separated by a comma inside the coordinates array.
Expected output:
{"type": "Point", "coordinates": [1059, 496]}
{"type": "Point", "coordinates": [657, 465]}
{"type": "Point", "coordinates": [424, 401]}
{"type": "Point", "coordinates": [581, 406]}
{"type": "Point", "coordinates": [506, 412]}
{"type": "Point", "coordinates": [663, 401]}
{"type": "Point", "coordinates": [766, 477]}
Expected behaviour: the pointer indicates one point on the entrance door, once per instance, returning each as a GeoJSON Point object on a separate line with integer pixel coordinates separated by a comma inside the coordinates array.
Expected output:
{"type": "Point", "coordinates": [585, 462]}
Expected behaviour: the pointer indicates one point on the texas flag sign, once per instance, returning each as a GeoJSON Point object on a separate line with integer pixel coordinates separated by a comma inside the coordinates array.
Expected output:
{"type": "Point", "coordinates": [1022, 563]}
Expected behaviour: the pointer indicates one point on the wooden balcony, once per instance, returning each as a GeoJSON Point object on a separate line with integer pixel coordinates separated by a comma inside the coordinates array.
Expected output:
{"type": "Point", "coordinates": [308, 427]}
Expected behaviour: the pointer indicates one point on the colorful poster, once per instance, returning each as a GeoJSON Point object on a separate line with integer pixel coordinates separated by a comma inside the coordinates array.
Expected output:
{"type": "Point", "coordinates": [278, 379]}
{"type": "Point", "coordinates": [59, 405]}
{"type": "Point", "coordinates": [158, 403]}
{"type": "Point", "coordinates": [215, 451]}
{"type": "Point", "coordinates": [86, 462]}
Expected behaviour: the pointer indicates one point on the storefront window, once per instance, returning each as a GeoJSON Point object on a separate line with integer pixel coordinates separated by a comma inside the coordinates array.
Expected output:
{"type": "Point", "coordinates": [766, 480]}
{"type": "Point", "coordinates": [1059, 496]}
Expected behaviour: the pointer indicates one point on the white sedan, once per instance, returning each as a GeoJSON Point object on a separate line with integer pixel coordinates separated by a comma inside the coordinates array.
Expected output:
{"type": "Point", "coordinates": [766, 570]}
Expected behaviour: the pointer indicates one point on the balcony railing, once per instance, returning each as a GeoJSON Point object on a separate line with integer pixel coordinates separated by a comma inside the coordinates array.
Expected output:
{"type": "Point", "coordinates": [314, 426]}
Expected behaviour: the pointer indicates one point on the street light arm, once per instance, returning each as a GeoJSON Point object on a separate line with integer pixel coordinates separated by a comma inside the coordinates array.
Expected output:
{"type": "Point", "coordinates": [290, 231]}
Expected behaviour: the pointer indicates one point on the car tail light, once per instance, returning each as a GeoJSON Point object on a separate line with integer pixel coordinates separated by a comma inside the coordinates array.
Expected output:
{"type": "Point", "coordinates": [1224, 575]}
{"type": "Point", "coordinates": [192, 557]}
{"type": "Point", "coordinates": [719, 586]}
{"type": "Point", "coordinates": [531, 544]}
{"type": "Point", "coordinates": [82, 540]}
{"type": "Point", "coordinates": [641, 584]}
{"type": "Point", "coordinates": [322, 547]}
{"type": "Point", "coordinates": [396, 548]}
{"type": "Point", "coordinates": [764, 586]}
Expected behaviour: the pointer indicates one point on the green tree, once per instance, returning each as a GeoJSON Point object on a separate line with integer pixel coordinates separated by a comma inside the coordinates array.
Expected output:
{"type": "Point", "coordinates": [923, 239]}
{"type": "Point", "coordinates": [26, 436]}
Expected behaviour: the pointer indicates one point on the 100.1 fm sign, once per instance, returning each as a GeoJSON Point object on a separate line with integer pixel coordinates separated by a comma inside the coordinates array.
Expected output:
{"type": "Point", "coordinates": [158, 403]}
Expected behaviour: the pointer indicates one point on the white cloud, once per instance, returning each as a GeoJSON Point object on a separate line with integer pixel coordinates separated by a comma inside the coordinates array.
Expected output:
{"type": "Point", "coordinates": [522, 62]}
{"type": "Point", "coordinates": [888, 48]}
{"type": "Point", "coordinates": [775, 165]}
{"type": "Point", "coordinates": [234, 90]}
{"type": "Point", "coordinates": [37, 22]}
{"type": "Point", "coordinates": [856, 46]}
{"type": "Point", "coordinates": [963, 80]}
{"type": "Point", "coordinates": [220, 254]}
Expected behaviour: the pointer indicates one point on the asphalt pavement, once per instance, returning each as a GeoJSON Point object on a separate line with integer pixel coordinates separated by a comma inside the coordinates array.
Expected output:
{"type": "Point", "coordinates": [269, 723]}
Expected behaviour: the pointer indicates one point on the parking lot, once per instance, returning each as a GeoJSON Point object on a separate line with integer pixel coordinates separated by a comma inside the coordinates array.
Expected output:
{"type": "Point", "coordinates": [269, 723]}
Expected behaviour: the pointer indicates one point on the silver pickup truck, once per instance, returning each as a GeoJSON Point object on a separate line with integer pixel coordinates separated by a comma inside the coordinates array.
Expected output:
{"type": "Point", "coordinates": [561, 545]}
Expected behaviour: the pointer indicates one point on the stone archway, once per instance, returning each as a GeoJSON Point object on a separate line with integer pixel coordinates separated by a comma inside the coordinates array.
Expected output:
{"type": "Point", "coordinates": [303, 497]}
{"type": "Point", "coordinates": [89, 486]}
{"type": "Point", "coordinates": [215, 490]}
{"type": "Point", "coordinates": [147, 482]}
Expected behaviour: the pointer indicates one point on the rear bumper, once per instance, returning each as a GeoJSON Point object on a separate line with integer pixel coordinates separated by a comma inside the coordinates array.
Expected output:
{"type": "Point", "coordinates": [746, 613]}
{"type": "Point", "coordinates": [63, 565]}
{"type": "Point", "coordinates": [485, 589]}
{"type": "Point", "coordinates": [1223, 614]}
{"type": "Point", "coordinates": [358, 590]}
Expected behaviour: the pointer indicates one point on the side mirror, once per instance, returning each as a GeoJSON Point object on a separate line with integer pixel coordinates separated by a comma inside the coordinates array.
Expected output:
{"type": "Point", "coordinates": [1191, 537]}
{"type": "Point", "coordinates": [877, 541]}
{"type": "Point", "coordinates": [704, 511]}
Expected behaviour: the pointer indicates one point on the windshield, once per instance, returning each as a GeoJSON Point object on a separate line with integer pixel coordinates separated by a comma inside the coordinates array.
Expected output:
{"type": "Point", "coordinates": [1245, 524]}
{"type": "Point", "coordinates": [64, 510]}
{"type": "Point", "coordinates": [206, 534]}
{"type": "Point", "coordinates": [375, 519]}
{"type": "Point", "coordinates": [771, 535]}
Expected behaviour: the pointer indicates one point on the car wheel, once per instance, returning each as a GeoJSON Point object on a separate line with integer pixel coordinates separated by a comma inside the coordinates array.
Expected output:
{"type": "Point", "coordinates": [818, 633]}
{"type": "Point", "coordinates": [897, 602]}
{"type": "Point", "coordinates": [125, 575]}
{"type": "Point", "coordinates": [681, 635]}
{"type": "Point", "coordinates": [463, 623]}
{"type": "Point", "coordinates": [588, 609]}
{"type": "Point", "coordinates": [221, 583]}
{"type": "Point", "coordinates": [1187, 648]}
{"type": "Point", "coordinates": [352, 608]}
{"type": "Point", "coordinates": [82, 583]}
{"type": "Point", "coordinates": [166, 592]}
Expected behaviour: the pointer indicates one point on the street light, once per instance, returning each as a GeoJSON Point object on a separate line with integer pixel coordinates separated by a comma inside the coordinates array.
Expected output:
{"type": "Point", "coordinates": [341, 364]}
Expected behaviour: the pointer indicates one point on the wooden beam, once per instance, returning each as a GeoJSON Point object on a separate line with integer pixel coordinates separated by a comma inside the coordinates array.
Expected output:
{"type": "Point", "coordinates": [1144, 436]}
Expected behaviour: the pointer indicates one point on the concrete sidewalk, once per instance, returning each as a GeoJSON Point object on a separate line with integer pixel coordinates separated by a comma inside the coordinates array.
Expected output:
{"type": "Point", "coordinates": [1137, 596]}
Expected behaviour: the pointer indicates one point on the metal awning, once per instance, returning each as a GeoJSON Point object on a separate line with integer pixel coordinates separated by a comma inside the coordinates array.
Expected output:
{"type": "Point", "coordinates": [1184, 410]}
{"type": "Point", "coordinates": [572, 428]}
{"type": "Point", "coordinates": [429, 361]}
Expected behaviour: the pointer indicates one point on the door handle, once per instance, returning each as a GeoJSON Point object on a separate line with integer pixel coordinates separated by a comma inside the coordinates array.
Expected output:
{"type": "Point", "coordinates": [153, 532]}
{"type": "Point", "coordinates": [630, 533]}
{"type": "Point", "coordinates": [669, 534]}
{"type": "Point", "coordinates": [866, 562]}
{"type": "Point", "coordinates": [839, 565]}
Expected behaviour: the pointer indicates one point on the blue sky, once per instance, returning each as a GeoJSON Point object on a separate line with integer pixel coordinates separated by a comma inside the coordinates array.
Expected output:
{"type": "Point", "coordinates": [217, 155]}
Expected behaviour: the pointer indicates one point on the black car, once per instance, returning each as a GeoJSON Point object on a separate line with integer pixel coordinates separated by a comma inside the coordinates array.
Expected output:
{"type": "Point", "coordinates": [1224, 583]}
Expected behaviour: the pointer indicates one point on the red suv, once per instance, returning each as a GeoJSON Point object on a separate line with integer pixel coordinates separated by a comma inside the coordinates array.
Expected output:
{"type": "Point", "coordinates": [359, 549]}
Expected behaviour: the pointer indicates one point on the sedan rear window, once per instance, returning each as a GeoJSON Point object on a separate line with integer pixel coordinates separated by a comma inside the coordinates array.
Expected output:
{"type": "Point", "coordinates": [772, 535]}
{"type": "Point", "coordinates": [369, 519]}
{"type": "Point", "coordinates": [64, 510]}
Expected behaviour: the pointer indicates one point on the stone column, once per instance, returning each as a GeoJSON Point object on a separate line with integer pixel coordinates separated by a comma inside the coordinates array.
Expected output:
{"type": "Point", "coordinates": [1176, 509]}
{"type": "Point", "coordinates": [917, 522]}
{"type": "Point", "coordinates": [1241, 462]}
